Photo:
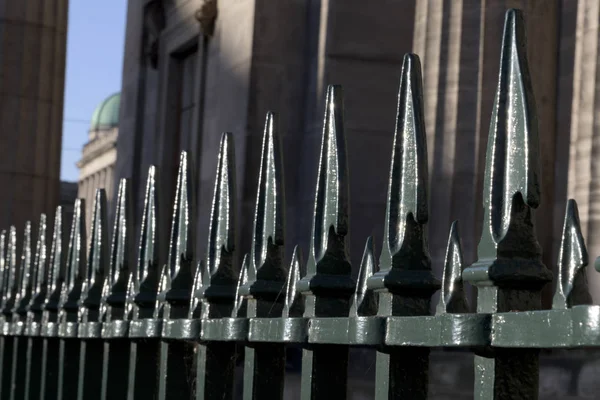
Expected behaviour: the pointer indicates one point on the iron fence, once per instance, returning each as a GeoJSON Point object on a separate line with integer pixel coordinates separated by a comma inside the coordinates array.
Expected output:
{"type": "Point", "coordinates": [99, 326]}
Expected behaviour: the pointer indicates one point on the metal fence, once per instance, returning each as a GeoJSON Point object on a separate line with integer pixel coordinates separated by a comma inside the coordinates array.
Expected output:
{"type": "Point", "coordinates": [99, 326]}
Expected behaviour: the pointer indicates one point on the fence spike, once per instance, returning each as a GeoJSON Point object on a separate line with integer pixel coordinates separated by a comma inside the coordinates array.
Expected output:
{"type": "Point", "coordinates": [220, 277]}
{"type": "Point", "coordinates": [216, 360]}
{"type": "Point", "coordinates": [364, 302]}
{"type": "Point", "coordinates": [3, 267]}
{"type": "Point", "coordinates": [242, 280]}
{"type": "Point", "coordinates": [53, 281]}
{"type": "Point", "coordinates": [115, 289]}
{"type": "Point", "coordinates": [55, 273]}
{"type": "Point", "coordinates": [71, 291]}
{"type": "Point", "coordinates": [452, 296]}
{"type": "Point", "coordinates": [267, 251]}
{"type": "Point", "coordinates": [405, 282]}
{"type": "Point", "coordinates": [181, 243]}
{"type": "Point", "coordinates": [328, 284]}
{"type": "Point", "coordinates": [12, 283]}
{"type": "Point", "coordinates": [96, 262]}
{"type": "Point", "coordinates": [24, 276]}
{"type": "Point", "coordinates": [509, 273]}
{"type": "Point", "coordinates": [145, 279]}
{"type": "Point", "coordinates": [263, 293]}
{"type": "Point", "coordinates": [142, 295]}
{"type": "Point", "coordinates": [331, 198]}
{"type": "Point", "coordinates": [294, 306]}
{"type": "Point", "coordinates": [39, 281]}
{"type": "Point", "coordinates": [571, 286]}
{"type": "Point", "coordinates": [511, 183]}
{"type": "Point", "coordinates": [75, 265]}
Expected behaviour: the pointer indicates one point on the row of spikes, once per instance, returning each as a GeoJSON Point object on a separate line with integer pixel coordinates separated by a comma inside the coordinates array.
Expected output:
{"type": "Point", "coordinates": [119, 292]}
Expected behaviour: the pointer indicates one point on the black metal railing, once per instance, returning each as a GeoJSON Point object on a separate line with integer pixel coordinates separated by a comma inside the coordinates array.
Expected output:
{"type": "Point", "coordinates": [105, 326]}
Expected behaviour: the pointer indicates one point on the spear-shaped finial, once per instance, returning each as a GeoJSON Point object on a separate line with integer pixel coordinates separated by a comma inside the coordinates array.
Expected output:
{"type": "Point", "coordinates": [11, 275]}
{"type": "Point", "coordinates": [512, 166]}
{"type": "Point", "coordinates": [294, 306]}
{"type": "Point", "coordinates": [75, 265]}
{"type": "Point", "coordinates": [97, 260]}
{"type": "Point", "coordinates": [115, 288]}
{"type": "Point", "coordinates": [328, 247]}
{"type": "Point", "coordinates": [3, 268]}
{"type": "Point", "coordinates": [54, 278]}
{"type": "Point", "coordinates": [143, 287]}
{"type": "Point", "coordinates": [512, 182]}
{"type": "Point", "coordinates": [571, 287]}
{"type": "Point", "coordinates": [239, 303]}
{"type": "Point", "coordinates": [25, 273]}
{"type": "Point", "coordinates": [38, 279]}
{"type": "Point", "coordinates": [220, 275]}
{"type": "Point", "coordinates": [177, 280]}
{"type": "Point", "coordinates": [452, 296]}
{"type": "Point", "coordinates": [182, 231]}
{"type": "Point", "coordinates": [405, 263]}
{"type": "Point", "coordinates": [266, 257]}
{"type": "Point", "coordinates": [331, 198]}
{"type": "Point", "coordinates": [364, 302]}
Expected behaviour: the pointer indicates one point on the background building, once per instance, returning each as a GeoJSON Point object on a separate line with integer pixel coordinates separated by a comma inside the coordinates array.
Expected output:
{"type": "Point", "coordinates": [33, 37]}
{"type": "Point", "coordinates": [99, 154]}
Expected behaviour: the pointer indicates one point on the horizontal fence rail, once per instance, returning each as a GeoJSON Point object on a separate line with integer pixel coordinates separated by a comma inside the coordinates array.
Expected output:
{"type": "Point", "coordinates": [111, 323]}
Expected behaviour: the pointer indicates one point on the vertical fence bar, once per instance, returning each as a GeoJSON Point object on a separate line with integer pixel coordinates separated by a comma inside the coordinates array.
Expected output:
{"type": "Point", "coordinates": [10, 294]}
{"type": "Point", "coordinates": [142, 297]}
{"type": "Point", "coordinates": [405, 282]}
{"type": "Point", "coordinates": [328, 285]}
{"type": "Point", "coordinates": [176, 356]}
{"type": "Point", "coordinates": [33, 357]}
{"type": "Point", "coordinates": [19, 317]}
{"type": "Point", "coordinates": [116, 344]}
{"type": "Point", "coordinates": [509, 273]}
{"type": "Point", "coordinates": [53, 283]}
{"type": "Point", "coordinates": [91, 346]}
{"type": "Point", "coordinates": [70, 293]}
{"type": "Point", "coordinates": [452, 294]}
{"type": "Point", "coordinates": [216, 289]}
{"type": "Point", "coordinates": [264, 368]}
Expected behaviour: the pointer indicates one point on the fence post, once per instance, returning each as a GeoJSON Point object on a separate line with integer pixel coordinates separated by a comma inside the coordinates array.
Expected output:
{"type": "Point", "coordinates": [264, 368]}
{"type": "Point", "coordinates": [115, 321]}
{"type": "Point", "coordinates": [509, 273]}
{"type": "Point", "coordinates": [405, 282]}
{"type": "Point", "coordinates": [175, 374]}
{"type": "Point", "coordinates": [328, 286]}
{"type": "Point", "coordinates": [33, 358]}
{"type": "Point", "coordinates": [89, 333]}
{"type": "Point", "coordinates": [68, 353]}
{"type": "Point", "coordinates": [218, 281]}
{"type": "Point", "coordinates": [54, 282]}
{"type": "Point", "coordinates": [142, 299]}
{"type": "Point", "coordinates": [19, 316]}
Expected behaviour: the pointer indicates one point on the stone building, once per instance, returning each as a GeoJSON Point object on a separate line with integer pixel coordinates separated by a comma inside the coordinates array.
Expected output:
{"type": "Point", "coordinates": [99, 154]}
{"type": "Point", "coordinates": [196, 68]}
{"type": "Point", "coordinates": [33, 36]}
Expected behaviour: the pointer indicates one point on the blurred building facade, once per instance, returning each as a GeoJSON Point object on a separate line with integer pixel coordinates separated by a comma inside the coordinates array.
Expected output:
{"type": "Point", "coordinates": [196, 68]}
{"type": "Point", "coordinates": [96, 167]}
{"type": "Point", "coordinates": [33, 36]}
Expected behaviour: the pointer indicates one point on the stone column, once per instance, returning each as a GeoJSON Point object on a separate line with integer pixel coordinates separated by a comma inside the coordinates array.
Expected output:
{"type": "Point", "coordinates": [32, 71]}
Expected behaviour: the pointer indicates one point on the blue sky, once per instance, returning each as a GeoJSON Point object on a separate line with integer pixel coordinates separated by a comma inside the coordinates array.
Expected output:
{"type": "Point", "coordinates": [95, 43]}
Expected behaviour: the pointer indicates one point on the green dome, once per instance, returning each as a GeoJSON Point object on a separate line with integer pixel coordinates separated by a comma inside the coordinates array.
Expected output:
{"type": "Point", "coordinates": [106, 115]}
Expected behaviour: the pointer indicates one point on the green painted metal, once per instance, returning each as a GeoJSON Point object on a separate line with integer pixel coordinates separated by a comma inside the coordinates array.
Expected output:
{"type": "Point", "coordinates": [107, 327]}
